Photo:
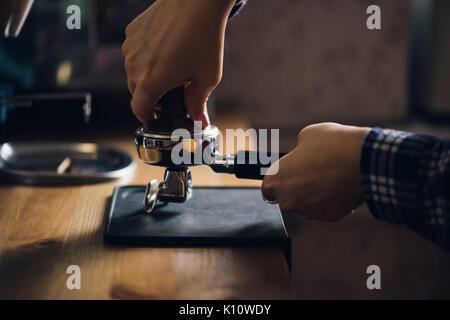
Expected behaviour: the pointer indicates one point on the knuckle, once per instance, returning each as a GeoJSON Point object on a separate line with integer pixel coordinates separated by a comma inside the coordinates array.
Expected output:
{"type": "Point", "coordinates": [302, 134]}
{"type": "Point", "coordinates": [130, 87]}
{"type": "Point", "coordinates": [315, 128]}
{"type": "Point", "coordinates": [306, 131]}
{"type": "Point", "coordinates": [312, 128]}
{"type": "Point", "coordinates": [269, 184]}
{"type": "Point", "coordinates": [129, 63]}
{"type": "Point", "coordinates": [133, 104]}
{"type": "Point", "coordinates": [213, 80]}
{"type": "Point", "coordinates": [128, 30]}
{"type": "Point", "coordinates": [124, 48]}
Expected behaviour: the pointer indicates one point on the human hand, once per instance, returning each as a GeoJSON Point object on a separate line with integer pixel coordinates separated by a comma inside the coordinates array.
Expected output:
{"type": "Point", "coordinates": [173, 43]}
{"type": "Point", "coordinates": [320, 178]}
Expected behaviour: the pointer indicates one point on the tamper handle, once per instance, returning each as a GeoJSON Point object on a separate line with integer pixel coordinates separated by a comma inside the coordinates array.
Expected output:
{"type": "Point", "coordinates": [173, 114]}
{"type": "Point", "coordinates": [248, 164]}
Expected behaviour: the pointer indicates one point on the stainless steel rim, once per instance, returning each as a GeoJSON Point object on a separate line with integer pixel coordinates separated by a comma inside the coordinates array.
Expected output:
{"type": "Point", "coordinates": [211, 131]}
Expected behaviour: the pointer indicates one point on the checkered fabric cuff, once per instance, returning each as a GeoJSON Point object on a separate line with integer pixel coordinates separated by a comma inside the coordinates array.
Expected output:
{"type": "Point", "coordinates": [406, 181]}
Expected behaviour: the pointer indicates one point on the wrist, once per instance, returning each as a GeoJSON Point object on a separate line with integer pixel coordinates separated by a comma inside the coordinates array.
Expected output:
{"type": "Point", "coordinates": [221, 8]}
{"type": "Point", "coordinates": [218, 10]}
{"type": "Point", "coordinates": [355, 142]}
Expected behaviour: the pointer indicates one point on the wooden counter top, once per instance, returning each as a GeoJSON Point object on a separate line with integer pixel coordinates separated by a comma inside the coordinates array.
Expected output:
{"type": "Point", "coordinates": [43, 230]}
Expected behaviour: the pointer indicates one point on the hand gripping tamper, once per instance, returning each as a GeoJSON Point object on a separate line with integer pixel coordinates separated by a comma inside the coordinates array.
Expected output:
{"type": "Point", "coordinates": [158, 145]}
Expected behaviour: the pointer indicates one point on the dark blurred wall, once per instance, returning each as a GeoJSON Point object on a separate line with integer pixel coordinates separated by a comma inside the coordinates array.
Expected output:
{"type": "Point", "coordinates": [288, 63]}
{"type": "Point", "coordinates": [291, 63]}
{"type": "Point", "coordinates": [439, 60]}
{"type": "Point", "coordinates": [56, 59]}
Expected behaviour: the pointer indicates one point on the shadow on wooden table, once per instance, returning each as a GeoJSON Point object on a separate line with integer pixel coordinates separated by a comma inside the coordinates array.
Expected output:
{"type": "Point", "coordinates": [36, 269]}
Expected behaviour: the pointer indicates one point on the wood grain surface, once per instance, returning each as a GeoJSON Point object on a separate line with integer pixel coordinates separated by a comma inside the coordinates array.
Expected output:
{"type": "Point", "coordinates": [43, 230]}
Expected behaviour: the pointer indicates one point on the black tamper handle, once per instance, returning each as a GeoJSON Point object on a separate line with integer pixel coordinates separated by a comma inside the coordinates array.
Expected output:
{"type": "Point", "coordinates": [251, 169]}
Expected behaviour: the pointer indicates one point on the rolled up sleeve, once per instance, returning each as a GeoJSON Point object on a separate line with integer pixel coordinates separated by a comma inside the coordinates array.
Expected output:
{"type": "Point", "coordinates": [406, 180]}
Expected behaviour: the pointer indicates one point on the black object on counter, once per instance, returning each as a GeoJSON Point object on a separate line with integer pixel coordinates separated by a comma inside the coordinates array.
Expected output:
{"type": "Point", "coordinates": [214, 217]}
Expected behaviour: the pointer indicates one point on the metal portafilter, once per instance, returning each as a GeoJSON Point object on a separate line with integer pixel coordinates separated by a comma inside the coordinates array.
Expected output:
{"type": "Point", "coordinates": [156, 145]}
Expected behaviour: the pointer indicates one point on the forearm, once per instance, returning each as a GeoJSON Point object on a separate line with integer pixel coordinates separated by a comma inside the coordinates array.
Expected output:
{"type": "Point", "coordinates": [406, 180]}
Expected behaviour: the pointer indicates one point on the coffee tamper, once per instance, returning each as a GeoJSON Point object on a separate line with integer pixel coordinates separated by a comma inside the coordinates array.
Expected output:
{"type": "Point", "coordinates": [155, 146]}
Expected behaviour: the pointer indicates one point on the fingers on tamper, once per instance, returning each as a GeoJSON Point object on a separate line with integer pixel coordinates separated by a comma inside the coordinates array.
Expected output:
{"type": "Point", "coordinates": [204, 118]}
{"type": "Point", "coordinates": [145, 98]}
{"type": "Point", "coordinates": [131, 86]}
{"type": "Point", "coordinates": [196, 97]}
{"type": "Point", "coordinates": [142, 105]}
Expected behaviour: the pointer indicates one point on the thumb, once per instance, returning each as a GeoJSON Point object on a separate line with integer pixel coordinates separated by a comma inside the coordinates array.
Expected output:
{"type": "Point", "coordinates": [195, 98]}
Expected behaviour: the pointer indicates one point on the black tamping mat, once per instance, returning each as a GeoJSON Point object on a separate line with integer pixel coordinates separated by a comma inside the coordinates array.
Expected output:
{"type": "Point", "coordinates": [213, 217]}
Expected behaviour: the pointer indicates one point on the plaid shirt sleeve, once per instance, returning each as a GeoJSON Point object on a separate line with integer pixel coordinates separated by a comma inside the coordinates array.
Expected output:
{"type": "Point", "coordinates": [406, 180]}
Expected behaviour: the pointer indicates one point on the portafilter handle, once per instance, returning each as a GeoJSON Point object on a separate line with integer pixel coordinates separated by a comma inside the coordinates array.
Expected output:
{"type": "Point", "coordinates": [245, 164]}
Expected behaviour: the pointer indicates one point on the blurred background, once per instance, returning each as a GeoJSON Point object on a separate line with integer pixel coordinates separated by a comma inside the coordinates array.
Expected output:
{"type": "Point", "coordinates": [288, 63]}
